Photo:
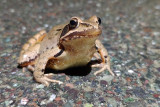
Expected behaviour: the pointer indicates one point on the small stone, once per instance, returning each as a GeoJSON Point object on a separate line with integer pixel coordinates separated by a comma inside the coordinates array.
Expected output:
{"type": "Point", "coordinates": [157, 7]}
{"type": "Point", "coordinates": [156, 63]}
{"type": "Point", "coordinates": [79, 102]}
{"type": "Point", "coordinates": [128, 100]}
{"type": "Point", "coordinates": [101, 99]}
{"type": "Point", "coordinates": [49, 4]}
{"type": "Point", "coordinates": [60, 103]}
{"type": "Point", "coordinates": [94, 83]}
{"type": "Point", "coordinates": [139, 92]}
{"type": "Point", "coordinates": [118, 73]}
{"type": "Point", "coordinates": [98, 5]}
{"type": "Point", "coordinates": [40, 86]}
{"type": "Point", "coordinates": [43, 102]}
{"type": "Point", "coordinates": [107, 78]}
{"type": "Point", "coordinates": [7, 103]}
{"type": "Point", "coordinates": [130, 87]}
{"type": "Point", "coordinates": [67, 78]}
{"type": "Point", "coordinates": [110, 92]}
{"type": "Point", "coordinates": [50, 105]}
{"type": "Point", "coordinates": [12, 10]}
{"type": "Point", "coordinates": [52, 97]}
{"type": "Point", "coordinates": [153, 42]}
{"type": "Point", "coordinates": [8, 40]}
{"type": "Point", "coordinates": [137, 103]}
{"type": "Point", "coordinates": [88, 105]}
{"type": "Point", "coordinates": [128, 79]}
{"type": "Point", "coordinates": [24, 101]}
{"type": "Point", "coordinates": [130, 71]}
{"type": "Point", "coordinates": [156, 95]}
{"type": "Point", "coordinates": [103, 83]}
{"type": "Point", "coordinates": [70, 85]}
{"type": "Point", "coordinates": [158, 69]}
{"type": "Point", "coordinates": [46, 25]}
{"type": "Point", "coordinates": [15, 85]}
{"type": "Point", "coordinates": [118, 90]}
{"type": "Point", "coordinates": [57, 98]}
{"type": "Point", "coordinates": [73, 93]}
{"type": "Point", "coordinates": [111, 102]}
{"type": "Point", "coordinates": [150, 101]}
{"type": "Point", "coordinates": [78, 83]}
{"type": "Point", "coordinates": [68, 104]}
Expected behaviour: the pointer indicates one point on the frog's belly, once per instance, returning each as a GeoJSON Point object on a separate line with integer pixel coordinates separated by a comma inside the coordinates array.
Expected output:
{"type": "Point", "coordinates": [70, 61]}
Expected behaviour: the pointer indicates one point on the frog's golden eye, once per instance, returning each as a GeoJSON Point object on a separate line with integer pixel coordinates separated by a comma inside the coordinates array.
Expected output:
{"type": "Point", "coordinates": [99, 20]}
{"type": "Point", "coordinates": [73, 23]}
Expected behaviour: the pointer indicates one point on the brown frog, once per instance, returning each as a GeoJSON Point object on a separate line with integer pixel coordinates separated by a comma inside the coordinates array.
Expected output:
{"type": "Point", "coordinates": [67, 45]}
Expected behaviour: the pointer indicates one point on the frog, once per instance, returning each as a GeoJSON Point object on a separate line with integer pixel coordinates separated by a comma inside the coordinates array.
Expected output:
{"type": "Point", "coordinates": [67, 45]}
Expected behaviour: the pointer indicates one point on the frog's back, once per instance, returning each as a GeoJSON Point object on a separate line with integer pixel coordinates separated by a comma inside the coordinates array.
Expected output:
{"type": "Point", "coordinates": [52, 38]}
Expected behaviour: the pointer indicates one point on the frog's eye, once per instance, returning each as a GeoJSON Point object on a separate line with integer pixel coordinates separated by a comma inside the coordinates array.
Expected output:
{"type": "Point", "coordinates": [73, 23]}
{"type": "Point", "coordinates": [99, 20]}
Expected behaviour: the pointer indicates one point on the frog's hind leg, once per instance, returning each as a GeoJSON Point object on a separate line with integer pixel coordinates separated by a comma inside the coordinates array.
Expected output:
{"type": "Point", "coordinates": [105, 59]}
{"type": "Point", "coordinates": [32, 41]}
{"type": "Point", "coordinates": [29, 67]}
{"type": "Point", "coordinates": [30, 49]}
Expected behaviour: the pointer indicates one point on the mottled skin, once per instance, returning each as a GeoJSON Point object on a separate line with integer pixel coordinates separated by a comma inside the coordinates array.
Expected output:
{"type": "Point", "coordinates": [69, 45]}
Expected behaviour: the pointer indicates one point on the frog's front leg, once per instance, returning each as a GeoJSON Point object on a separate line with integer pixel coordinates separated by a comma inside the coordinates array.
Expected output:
{"type": "Point", "coordinates": [105, 59]}
{"type": "Point", "coordinates": [40, 65]}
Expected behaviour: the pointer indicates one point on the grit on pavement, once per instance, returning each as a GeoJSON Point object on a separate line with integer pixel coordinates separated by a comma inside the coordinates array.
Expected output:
{"type": "Point", "coordinates": [131, 34]}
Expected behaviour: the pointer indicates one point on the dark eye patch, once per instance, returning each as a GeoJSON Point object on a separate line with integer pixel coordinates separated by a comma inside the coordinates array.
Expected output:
{"type": "Point", "coordinates": [59, 53]}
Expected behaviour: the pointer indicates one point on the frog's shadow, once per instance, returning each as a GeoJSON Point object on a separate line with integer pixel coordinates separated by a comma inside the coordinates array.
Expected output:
{"type": "Point", "coordinates": [74, 71]}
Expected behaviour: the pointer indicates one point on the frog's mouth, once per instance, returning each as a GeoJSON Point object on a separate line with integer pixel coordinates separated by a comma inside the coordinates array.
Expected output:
{"type": "Point", "coordinates": [92, 33]}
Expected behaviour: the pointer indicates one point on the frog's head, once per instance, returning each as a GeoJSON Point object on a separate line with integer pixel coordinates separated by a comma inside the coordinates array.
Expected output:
{"type": "Point", "coordinates": [79, 31]}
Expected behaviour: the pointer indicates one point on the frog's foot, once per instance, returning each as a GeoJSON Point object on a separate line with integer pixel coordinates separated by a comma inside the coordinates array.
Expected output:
{"type": "Point", "coordinates": [29, 67]}
{"type": "Point", "coordinates": [103, 68]}
{"type": "Point", "coordinates": [96, 55]}
{"type": "Point", "coordinates": [44, 79]}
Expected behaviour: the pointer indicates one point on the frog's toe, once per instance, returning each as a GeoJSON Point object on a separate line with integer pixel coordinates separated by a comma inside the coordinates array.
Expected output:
{"type": "Point", "coordinates": [46, 83]}
{"type": "Point", "coordinates": [103, 68]}
{"type": "Point", "coordinates": [51, 80]}
{"type": "Point", "coordinates": [48, 75]}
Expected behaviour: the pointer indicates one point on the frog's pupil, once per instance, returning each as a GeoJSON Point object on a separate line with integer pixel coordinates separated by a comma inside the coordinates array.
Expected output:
{"type": "Point", "coordinates": [99, 20]}
{"type": "Point", "coordinates": [73, 22]}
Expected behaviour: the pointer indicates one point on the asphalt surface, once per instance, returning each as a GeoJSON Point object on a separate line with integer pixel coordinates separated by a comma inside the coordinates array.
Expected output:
{"type": "Point", "coordinates": [131, 34]}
